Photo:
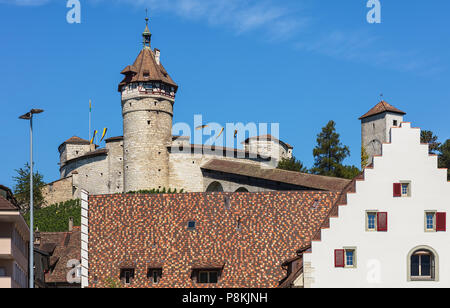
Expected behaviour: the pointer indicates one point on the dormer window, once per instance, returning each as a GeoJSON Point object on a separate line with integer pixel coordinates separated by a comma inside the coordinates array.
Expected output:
{"type": "Point", "coordinates": [155, 275]}
{"type": "Point", "coordinates": [127, 275]}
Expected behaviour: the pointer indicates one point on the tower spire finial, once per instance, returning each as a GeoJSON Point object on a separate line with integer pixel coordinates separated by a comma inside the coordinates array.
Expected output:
{"type": "Point", "coordinates": [147, 35]}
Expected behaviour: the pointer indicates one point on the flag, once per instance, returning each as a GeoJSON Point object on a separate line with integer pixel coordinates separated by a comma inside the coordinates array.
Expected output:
{"type": "Point", "coordinates": [105, 130]}
{"type": "Point", "coordinates": [220, 134]}
{"type": "Point", "coordinates": [201, 127]}
{"type": "Point", "coordinates": [90, 106]}
{"type": "Point", "coordinates": [95, 133]}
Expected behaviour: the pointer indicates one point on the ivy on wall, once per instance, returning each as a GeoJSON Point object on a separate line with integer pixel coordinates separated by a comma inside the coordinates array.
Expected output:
{"type": "Point", "coordinates": [55, 218]}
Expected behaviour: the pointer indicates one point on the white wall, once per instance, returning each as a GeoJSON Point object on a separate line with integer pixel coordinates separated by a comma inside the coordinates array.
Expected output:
{"type": "Point", "coordinates": [382, 256]}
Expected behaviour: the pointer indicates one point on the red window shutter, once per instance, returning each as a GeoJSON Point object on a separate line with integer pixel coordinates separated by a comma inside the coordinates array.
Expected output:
{"type": "Point", "coordinates": [397, 190]}
{"type": "Point", "coordinates": [339, 258]}
{"type": "Point", "coordinates": [441, 222]}
{"type": "Point", "coordinates": [382, 222]}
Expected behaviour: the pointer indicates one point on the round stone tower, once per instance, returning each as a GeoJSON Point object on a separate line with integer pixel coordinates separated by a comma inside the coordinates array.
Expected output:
{"type": "Point", "coordinates": [148, 96]}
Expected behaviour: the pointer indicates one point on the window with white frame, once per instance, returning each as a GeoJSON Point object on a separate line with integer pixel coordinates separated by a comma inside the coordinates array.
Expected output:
{"type": "Point", "coordinates": [345, 258]}
{"type": "Point", "coordinates": [430, 221]}
{"type": "Point", "coordinates": [405, 189]}
{"type": "Point", "coordinates": [371, 221]}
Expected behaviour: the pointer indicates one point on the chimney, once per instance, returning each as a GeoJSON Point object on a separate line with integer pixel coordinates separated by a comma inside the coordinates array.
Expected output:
{"type": "Point", "coordinates": [70, 224]}
{"type": "Point", "coordinates": [158, 56]}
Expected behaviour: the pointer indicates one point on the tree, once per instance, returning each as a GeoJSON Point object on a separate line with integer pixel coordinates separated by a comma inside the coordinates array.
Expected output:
{"type": "Point", "coordinates": [330, 152]}
{"type": "Point", "coordinates": [427, 136]}
{"type": "Point", "coordinates": [348, 172]}
{"type": "Point", "coordinates": [292, 164]}
{"type": "Point", "coordinates": [22, 188]}
{"type": "Point", "coordinates": [444, 157]}
{"type": "Point", "coordinates": [364, 158]}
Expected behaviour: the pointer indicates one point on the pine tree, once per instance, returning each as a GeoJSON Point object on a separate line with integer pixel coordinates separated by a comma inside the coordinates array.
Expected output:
{"type": "Point", "coordinates": [330, 152]}
{"type": "Point", "coordinates": [428, 137]}
{"type": "Point", "coordinates": [292, 164]}
{"type": "Point", "coordinates": [444, 157]}
{"type": "Point", "coordinates": [22, 188]}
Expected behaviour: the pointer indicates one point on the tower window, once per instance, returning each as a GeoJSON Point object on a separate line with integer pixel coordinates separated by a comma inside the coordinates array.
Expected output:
{"type": "Point", "coordinates": [148, 122]}
{"type": "Point", "coordinates": [395, 122]}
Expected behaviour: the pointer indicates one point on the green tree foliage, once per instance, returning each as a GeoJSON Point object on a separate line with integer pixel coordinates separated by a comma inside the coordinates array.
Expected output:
{"type": "Point", "coordinates": [55, 218]}
{"type": "Point", "coordinates": [292, 164]}
{"type": "Point", "coordinates": [348, 172]}
{"type": "Point", "coordinates": [330, 153]}
{"type": "Point", "coordinates": [22, 188]}
{"type": "Point", "coordinates": [444, 157]}
{"type": "Point", "coordinates": [364, 158]}
{"type": "Point", "coordinates": [428, 137]}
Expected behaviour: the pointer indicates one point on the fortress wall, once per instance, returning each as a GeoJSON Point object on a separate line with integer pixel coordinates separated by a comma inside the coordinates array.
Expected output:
{"type": "Point", "coordinates": [186, 173]}
{"type": "Point", "coordinates": [92, 174]}
{"type": "Point", "coordinates": [115, 166]}
{"type": "Point", "coordinates": [59, 191]}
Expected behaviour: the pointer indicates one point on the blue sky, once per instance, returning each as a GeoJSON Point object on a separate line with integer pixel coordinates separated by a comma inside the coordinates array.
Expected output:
{"type": "Point", "coordinates": [297, 63]}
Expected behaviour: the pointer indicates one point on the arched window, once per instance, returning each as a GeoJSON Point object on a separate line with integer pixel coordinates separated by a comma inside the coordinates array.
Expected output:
{"type": "Point", "coordinates": [242, 189]}
{"type": "Point", "coordinates": [215, 187]}
{"type": "Point", "coordinates": [423, 264]}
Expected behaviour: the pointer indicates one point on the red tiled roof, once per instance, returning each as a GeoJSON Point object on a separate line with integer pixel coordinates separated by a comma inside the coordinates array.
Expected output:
{"type": "Point", "coordinates": [251, 239]}
{"type": "Point", "coordinates": [6, 205]}
{"type": "Point", "coordinates": [146, 69]}
{"type": "Point", "coordinates": [277, 175]}
{"type": "Point", "coordinates": [63, 246]}
{"type": "Point", "coordinates": [380, 108]}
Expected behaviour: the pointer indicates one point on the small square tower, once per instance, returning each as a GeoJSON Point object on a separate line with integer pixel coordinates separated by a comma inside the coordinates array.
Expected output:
{"type": "Point", "coordinates": [376, 127]}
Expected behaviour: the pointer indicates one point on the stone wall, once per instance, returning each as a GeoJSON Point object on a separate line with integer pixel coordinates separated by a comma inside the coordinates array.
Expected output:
{"type": "Point", "coordinates": [186, 173]}
{"type": "Point", "coordinates": [147, 127]}
{"type": "Point", "coordinates": [59, 191]}
{"type": "Point", "coordinates": [375, 131]}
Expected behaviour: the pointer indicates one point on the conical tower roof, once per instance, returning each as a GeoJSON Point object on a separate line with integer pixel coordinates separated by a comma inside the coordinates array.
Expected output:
{"type": "Point", "coordinates": [382, 107]}
{"type": "Point", "coordinates": [145, 68]}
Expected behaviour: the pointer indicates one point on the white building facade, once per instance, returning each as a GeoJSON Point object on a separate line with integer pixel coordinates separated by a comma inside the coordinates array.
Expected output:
{"type": "Point", "coordinates": [392, 232]}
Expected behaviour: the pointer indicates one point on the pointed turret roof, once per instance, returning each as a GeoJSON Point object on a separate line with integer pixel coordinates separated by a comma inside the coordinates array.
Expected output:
{"type": "Point", "coordinates": [145, 67]}
{"type": "Point", "coordinates": [382, 107]}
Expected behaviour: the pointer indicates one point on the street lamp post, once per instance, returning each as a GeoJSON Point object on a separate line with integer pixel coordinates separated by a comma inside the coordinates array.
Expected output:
{"type": "Point", "coordinates": [29, 116]}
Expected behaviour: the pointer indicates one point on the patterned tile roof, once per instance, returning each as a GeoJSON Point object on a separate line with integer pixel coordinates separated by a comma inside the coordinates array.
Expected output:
{"type": "Point", "coordinates": [380, 108]}
{"type": "Point", "coordinates": [62, 247]}
{"type": "Point", "coordinates": [249, 235]}
{"type": "Point", "coordinates": [295, 178]}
